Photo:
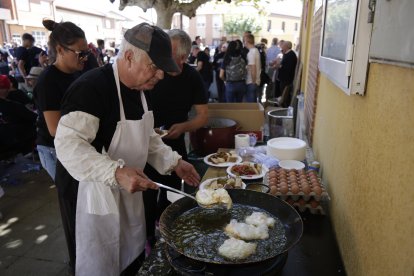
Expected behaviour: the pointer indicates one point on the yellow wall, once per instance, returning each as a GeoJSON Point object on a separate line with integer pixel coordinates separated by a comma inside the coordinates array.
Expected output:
{"type": "Point", "coordinates": [366, 149]}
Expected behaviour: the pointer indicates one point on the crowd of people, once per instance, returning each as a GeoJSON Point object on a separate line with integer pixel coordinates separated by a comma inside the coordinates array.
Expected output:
{"type": "Point", "coordinates": [91, 114]}
{"type": "Point", "coordinates": [244, 70]}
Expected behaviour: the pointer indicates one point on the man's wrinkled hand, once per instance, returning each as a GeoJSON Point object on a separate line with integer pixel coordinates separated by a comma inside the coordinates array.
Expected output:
{"type": "Point", "coordinates": [186, 171]}
{"type": "Point", "coordinates": [133, 180]}
{"type": "Point", "coordinates": [175, 131]}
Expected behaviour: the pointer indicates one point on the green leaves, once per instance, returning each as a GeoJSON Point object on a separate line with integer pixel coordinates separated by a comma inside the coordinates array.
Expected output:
{"type": "Point", "coordinates": [238, 25]}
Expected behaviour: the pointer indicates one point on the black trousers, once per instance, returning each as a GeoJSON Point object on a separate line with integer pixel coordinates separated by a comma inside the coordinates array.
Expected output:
{"type": "Point", "coordinates": [154, 208]}
{"type": "Point", "coordinates": [68, 214]}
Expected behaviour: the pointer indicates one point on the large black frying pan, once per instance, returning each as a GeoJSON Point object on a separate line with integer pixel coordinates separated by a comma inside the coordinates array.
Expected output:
{"type": "Point", "coordinates": [290, 219]}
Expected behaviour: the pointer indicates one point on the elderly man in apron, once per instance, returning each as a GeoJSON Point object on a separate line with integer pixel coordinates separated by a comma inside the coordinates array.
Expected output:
{"type": "Point", "coordinates": [103, 141]}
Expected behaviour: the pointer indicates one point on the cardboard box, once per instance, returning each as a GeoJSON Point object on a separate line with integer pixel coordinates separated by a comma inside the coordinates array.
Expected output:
{"type": "Point", "coordinates": [249, 116]}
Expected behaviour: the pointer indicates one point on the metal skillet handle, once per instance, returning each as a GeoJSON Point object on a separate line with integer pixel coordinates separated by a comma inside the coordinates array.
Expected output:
{"type": "Point", "coordinates": [175, 190]}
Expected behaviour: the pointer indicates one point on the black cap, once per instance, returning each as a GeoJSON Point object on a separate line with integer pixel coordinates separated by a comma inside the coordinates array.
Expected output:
{"type": "Point", "coordinates": [156, 43]}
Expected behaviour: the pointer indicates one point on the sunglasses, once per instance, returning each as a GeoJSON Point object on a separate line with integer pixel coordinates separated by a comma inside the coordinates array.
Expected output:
{"type": "Point", "coordinates": [81, 54]}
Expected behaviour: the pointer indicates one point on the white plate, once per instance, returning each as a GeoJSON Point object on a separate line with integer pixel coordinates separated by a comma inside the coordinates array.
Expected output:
{"type": "Point", "coordinates": [254, 176]}
{"type": "Point", "coordinates": [221, 165]}
{"type": "Point", "coordinates": [208, 181]}
{"type": "Point", "coordinates": [291, 164]}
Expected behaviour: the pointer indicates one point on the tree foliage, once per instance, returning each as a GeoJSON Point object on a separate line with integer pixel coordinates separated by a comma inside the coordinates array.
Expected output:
{"type": "Point", "coordinates": [237, 25]}
{"type": "Point", "coordinates": [166, 8]}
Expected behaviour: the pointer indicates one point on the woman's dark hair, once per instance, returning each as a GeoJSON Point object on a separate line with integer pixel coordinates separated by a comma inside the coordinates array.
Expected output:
{"type": "Point", "coordinates": [233, 50]}
{"type": "Point", "coordinates": [64, 33]}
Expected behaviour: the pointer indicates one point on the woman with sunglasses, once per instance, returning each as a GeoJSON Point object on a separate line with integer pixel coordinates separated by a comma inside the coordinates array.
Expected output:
{"type": "Point", "coordinates": [69, 49]}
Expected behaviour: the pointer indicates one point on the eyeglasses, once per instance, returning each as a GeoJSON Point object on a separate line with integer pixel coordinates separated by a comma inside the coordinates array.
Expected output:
{"type": "Point", "coordinates": [81, 54]}
{"type": "Point", "coordinates": [153, 67]}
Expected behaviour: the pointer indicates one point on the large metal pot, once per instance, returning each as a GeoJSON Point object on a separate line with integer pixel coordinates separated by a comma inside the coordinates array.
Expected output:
{"type": "Point", "coordinates": [291, 220]}
{"type": "Point", "coordinates": [218, 133]}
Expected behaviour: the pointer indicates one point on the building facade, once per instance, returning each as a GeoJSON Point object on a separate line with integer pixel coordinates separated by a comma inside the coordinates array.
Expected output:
{"type": "Point", "coordinates": [25, 16]}
{"type": "Point", "coordinates": [365, 142]}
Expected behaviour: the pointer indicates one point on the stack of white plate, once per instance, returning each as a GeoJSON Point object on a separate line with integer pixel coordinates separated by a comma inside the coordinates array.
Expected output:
{"type": "Point", "coordinates": [287, 148]}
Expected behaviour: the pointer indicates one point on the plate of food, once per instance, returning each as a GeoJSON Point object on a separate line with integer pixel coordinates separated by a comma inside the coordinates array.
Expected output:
{"type": "Point", "coordinates": [247, 170]}
{"type": "Point", "coordinates": [222, 159]}
{"type": "Point", "coordinates": [226, 182]}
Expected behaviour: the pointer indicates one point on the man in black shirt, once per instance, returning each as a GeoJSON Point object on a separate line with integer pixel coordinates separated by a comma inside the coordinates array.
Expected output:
{"type": "Point", "coordinates": [27, 56]}
{"type": "Point", "coordinates": [204, 66]}
{"type": "Point", "coordinates": [104, 139]}
{"type": "Point", "coordinates": [286, 74]}
{"type": "Point", "coordinates": [172, 99]}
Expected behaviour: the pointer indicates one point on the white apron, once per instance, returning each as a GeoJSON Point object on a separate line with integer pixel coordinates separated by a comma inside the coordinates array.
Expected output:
{"type": "Point", "coordinates": [110, 222]}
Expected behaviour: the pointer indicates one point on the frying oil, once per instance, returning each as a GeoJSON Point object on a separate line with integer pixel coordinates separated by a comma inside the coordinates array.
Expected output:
{"type": "Point", "coordinates": [200, 232]}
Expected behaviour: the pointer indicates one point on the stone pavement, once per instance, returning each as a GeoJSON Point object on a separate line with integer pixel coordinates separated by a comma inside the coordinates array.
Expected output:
{"type": "Point", "coordinates": [32, 240]}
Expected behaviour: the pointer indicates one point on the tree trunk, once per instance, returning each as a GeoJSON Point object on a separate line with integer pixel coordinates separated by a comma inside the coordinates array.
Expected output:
{"type": "Point", "coordinates": [164, 18]}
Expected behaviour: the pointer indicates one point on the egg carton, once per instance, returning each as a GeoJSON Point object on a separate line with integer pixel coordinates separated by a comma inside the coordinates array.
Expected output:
{"type": "Point", "coordinates": [296, 184]}
{"type": "Point", "coordinates": [312, 205]}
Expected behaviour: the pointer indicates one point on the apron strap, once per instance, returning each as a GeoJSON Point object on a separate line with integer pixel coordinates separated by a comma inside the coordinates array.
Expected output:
{"type": "Point", "coordinates": [144, 102]}
{"type": "Point", "coordinates": [118, 88]}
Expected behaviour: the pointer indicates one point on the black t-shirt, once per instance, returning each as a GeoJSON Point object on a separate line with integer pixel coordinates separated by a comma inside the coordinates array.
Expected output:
{"type": "Point", "coordinates": [95, 93]}
{"type": "Point", "coordinates": [207, 70]}
{"type": "Point", "coordinates": [29, 56]}
{"type": "Point", "coordinates": [19, 96]}
{"type": "Point", "coordinates": [48, 94]}
{"type": "Point", "coordinates": [218, 61]}
{"type": "Point", "coordinates": [286, 72]}
{"type": "Point", "coordinates": [173, 97]}
{"type": "Point", "coordinates": [16, 113]}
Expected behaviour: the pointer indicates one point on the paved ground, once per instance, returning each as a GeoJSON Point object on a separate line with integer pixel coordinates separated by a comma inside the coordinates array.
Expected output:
{"type": "Point", "coordinates": [31, 235]}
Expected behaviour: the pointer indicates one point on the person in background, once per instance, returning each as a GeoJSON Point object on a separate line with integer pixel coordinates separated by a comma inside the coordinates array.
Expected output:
{"type": "Point", "coordinates": [233, 73]}
{"type": "Point", "coordinates": [264, 78]}
{"type": "Point", "coordinates": [197, 41]}
{"type": "Point", "coordinates": [245, 50]}
{"type": "Point", "coordinates": [4, 62]}
{"type": "Point", "coordinates": [264, 42]}
{"type": "Point", "coordinates": [204, 66]}
{"type": "Point", "coordinates": [31, 79]}
{"type": "Point", "coordinates": [254, 68]}
{"type": "Point", "coordinates": [27, 56]}
{"type": "Point", "coordinates": [217, 64]}
{"type": "Point", "coordinates": [17, 123]}
{"type": "Point", "coordinates": [69, 43]}
{"type": "Point", "coordinates": [218, 48]}
{"type": "Point", "coordinates": [207, 51]}
{"type": "Point", "coordinates": [116, 49]}
{"type": "Point", "coordinates": [103, 141]}
{"type": "Point", "coordinates": [101, 52]}
{"type": "Point", "coordinates": [17, 95]}
{"type": "Point", "coordinates": [172, 99]}
{"type": "Point", "coordinates": [286, 74]}
{"type": "Point", "coordinates": [271, 55]}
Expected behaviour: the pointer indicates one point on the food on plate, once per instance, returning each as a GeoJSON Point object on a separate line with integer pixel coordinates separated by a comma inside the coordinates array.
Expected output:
{"type": "Point", "coordinates": [226, 183]}
{"type": "Point", "coordinates": [259, 218]}
{"type": "Point", "coordinates": [210, 197]}
{"type": "Point", "coordinates": [235, 249]}
{"type": "Point", "coordinates": [244, 231]}
{"type": "Point", "coordinates": [246, 169]}
{"type": "Point", "coordinates": [222, 157]}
